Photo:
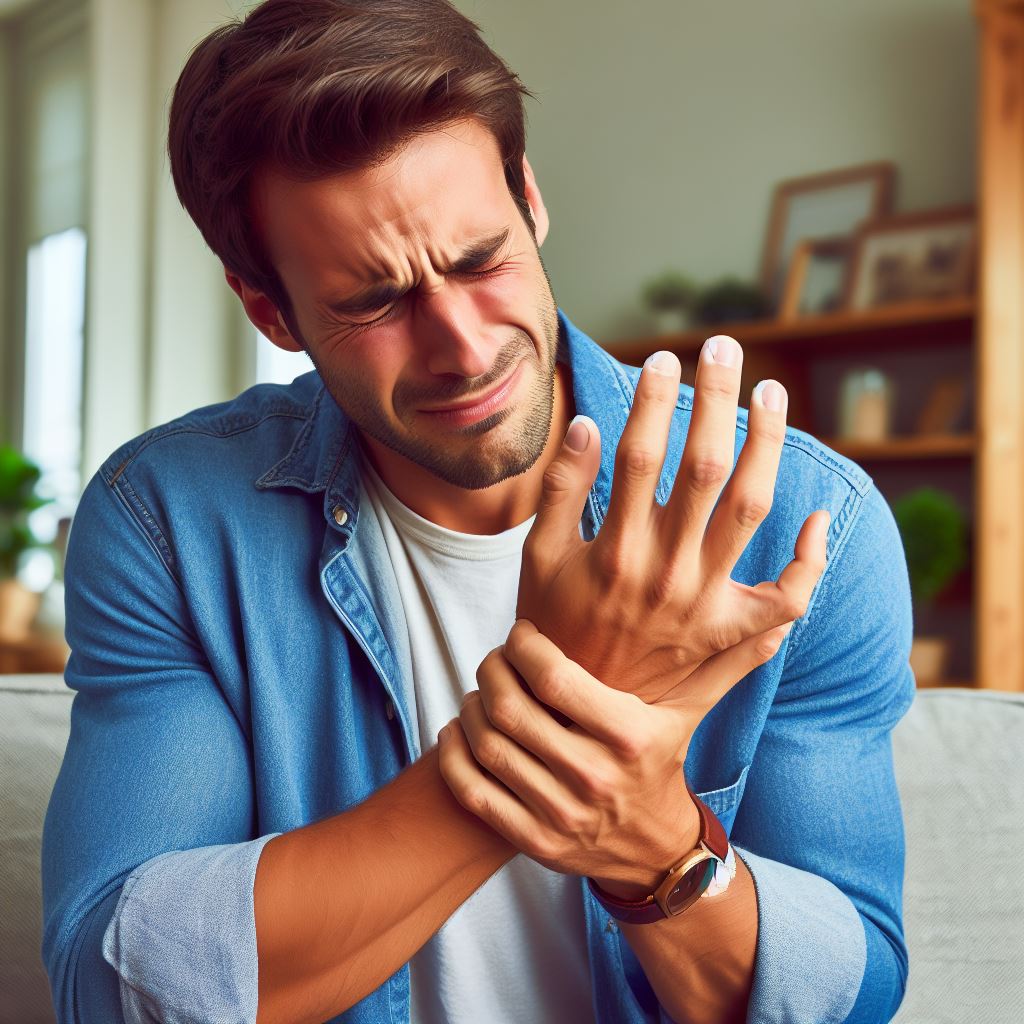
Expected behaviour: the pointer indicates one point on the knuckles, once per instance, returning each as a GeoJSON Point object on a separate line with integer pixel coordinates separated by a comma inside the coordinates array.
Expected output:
{"type": "Point", "coordinates": [705, 472]}
{"type": "Point", "coordinates": [552, 685]}
{"type": "Point", "coordinates": [635, 463]}
{"type": "Point", "coordinates": [596, 785]}
{"type": "Point", "coordinates": [614, 562]}
{"type": "Point", "coordinates": [518, 637]}
{"type": "Point", "coordinates": [750, 510]}
{"type": "Point", "coordinates": [506, 713]}
{"type": "Point", "coordinates": [492, 753]}
{"type": "Point", "coordinates": [490, 663]}
{"type": "Point", "coordinates": [770, 431]}
{"type": "Point", "coordinates": [557, 477]}
{"type": "Point", "coordinates": [474, 800]}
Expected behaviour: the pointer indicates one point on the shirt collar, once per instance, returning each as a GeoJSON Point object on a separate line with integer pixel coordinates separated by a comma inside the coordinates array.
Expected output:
{"type": "Point", "coordinates": [323, 456]}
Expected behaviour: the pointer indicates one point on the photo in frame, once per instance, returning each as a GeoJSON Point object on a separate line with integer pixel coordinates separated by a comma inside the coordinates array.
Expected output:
{"type": "Point", "coordinates": [816, 281]}
{"type": "Point", "coordinates": [943, 411]}
{"type": "Point", "coordinates": [924, 256]}
{"type": "Point", "coordinates": [819, 206]}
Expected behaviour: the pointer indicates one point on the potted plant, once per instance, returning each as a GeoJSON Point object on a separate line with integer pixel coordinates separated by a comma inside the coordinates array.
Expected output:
{"type": "Point", "coordinates": [933, 531]}
{"type": "Point", "coordinates": [729, 299]}
{"type": "Point", "coordinates": [670, 296]}
{"type": "Point", "coordinates": [18, 498]}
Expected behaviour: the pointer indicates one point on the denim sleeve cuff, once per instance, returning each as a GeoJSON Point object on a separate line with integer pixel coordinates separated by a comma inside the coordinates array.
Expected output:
{"type": "Point", "coordinates": [811, 947]}
{"type": "Point", "coordinates": [183, 936]}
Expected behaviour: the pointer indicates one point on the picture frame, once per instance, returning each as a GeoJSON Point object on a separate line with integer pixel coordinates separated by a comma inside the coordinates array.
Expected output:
{"type": "Point", "coordinates": [917, 257]}
{"type": "Point", "coordinates": [944, 408]}
{"type": "Point", "coordinates": [816, 280]}
{"type": "Point", "coordinates": [818, 206]}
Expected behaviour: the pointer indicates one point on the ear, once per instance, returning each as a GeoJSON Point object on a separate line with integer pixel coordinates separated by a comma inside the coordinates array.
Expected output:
{"type": "Point", "coordinates": [536, 201]}
{"type": "Point", "coordinates": [263, 314]}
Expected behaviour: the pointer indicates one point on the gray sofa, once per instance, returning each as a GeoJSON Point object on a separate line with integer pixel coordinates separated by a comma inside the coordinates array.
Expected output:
{"type": "Point", "coordinates": [960, 766]}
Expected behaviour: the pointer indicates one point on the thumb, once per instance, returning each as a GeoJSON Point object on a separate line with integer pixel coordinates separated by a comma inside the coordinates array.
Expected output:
{"type": "Point", "coordinates": [567, 481]}
{"type": "Point", "coordinates": [715, 677]}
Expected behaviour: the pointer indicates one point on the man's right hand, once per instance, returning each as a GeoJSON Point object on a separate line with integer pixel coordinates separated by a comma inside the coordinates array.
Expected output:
{"type": "Point", "coordinates": [651, 598]}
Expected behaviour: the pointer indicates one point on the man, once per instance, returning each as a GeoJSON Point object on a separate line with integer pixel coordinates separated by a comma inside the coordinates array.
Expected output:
{"type": "Point", "coordinates": [275, 605]}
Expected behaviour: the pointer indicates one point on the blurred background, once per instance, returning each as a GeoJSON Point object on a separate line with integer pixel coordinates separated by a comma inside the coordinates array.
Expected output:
{"type": "Point", "coordinates": [839, 186]}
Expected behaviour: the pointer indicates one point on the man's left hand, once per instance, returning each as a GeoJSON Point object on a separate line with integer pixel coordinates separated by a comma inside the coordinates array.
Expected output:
{"type": "Point", "coordinates": [603, 797]}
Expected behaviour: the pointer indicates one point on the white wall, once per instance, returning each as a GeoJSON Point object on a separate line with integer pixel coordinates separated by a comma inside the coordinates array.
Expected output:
{"type": "Point", "coordinates": [162, 320]}
{"type": "Point", "coordinates": [660, 131]}
{"type": "Point", "coordinates": [662, 125]}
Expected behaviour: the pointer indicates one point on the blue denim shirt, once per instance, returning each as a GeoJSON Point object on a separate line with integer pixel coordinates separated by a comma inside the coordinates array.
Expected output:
{"type": "Point", "coordinates": [237, 652]}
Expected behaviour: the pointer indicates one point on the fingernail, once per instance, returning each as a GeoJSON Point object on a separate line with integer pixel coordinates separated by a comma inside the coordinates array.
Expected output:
{"type": "Point", "coordinates": [771, 395]}
{"type": "Point", "coordinates": [442, 734]}
{"type": "Point", "coordinates": [721, 349]}
{"type": "Point", "coordinates": [577, 437]}
{"type": "Point", "coordinates": [665, 363]}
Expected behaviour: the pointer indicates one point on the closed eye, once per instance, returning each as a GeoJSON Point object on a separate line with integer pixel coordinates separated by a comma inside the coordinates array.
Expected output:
{"type": "Point", "coordinates": [389, 312]}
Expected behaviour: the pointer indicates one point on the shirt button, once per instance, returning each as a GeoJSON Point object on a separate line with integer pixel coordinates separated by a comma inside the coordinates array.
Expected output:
{"type": "Point", "coordinates": [389, 710]}
{"type": "Point", "coordinates": [340, 515]}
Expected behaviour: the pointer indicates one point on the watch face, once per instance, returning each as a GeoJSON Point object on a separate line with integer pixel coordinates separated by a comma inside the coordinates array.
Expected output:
{"type": "Point", "coordinates": [691, 885]}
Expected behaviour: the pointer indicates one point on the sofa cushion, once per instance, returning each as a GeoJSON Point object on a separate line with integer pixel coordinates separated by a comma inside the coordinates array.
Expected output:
{"type": "Point", "coordinates": [959, 757]}
{"type": "Point", "coordinates": [34, 723]}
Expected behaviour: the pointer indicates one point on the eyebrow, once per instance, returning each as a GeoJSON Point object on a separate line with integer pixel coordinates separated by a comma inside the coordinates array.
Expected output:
{"type": "Point", "coordinates": [383, 293]}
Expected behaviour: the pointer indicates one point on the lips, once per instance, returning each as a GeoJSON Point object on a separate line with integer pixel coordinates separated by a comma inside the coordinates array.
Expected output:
{"type": "Point", "coordinates": [470, 410]}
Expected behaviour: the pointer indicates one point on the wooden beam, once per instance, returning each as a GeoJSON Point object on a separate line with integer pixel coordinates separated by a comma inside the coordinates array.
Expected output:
{"type": "Point", "coordinates": [999, 509]}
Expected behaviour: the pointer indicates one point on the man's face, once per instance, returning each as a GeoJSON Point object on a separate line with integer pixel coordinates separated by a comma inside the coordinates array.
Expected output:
{"type": "Point", "coordinates": [423, 303]}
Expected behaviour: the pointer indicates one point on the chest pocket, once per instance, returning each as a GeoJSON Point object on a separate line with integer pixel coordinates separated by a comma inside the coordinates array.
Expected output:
{"type": "Point", "coordinates": [724, 802]}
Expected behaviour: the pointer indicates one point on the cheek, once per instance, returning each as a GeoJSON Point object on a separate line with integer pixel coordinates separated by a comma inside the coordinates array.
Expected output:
{"type": "Point", "coordinates": [505, 298]}
{"type": "Point", "coordinates": [374, 368]}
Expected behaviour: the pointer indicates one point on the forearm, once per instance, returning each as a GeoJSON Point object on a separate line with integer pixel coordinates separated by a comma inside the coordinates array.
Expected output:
{"type": "Point", "coordinates": [341, 904]}
{"type": "Point", "coordinates": [701, 963]}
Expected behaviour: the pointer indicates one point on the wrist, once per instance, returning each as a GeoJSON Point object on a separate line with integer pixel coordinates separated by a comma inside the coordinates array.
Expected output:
{"type": "Point", "coordinates": [640, 877]}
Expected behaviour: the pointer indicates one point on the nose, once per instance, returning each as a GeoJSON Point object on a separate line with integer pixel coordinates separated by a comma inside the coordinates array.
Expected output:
{"type": "Point", "coordinates": [452, 332]}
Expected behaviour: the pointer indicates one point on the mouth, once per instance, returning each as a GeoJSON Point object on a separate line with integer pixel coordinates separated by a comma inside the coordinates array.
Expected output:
{"type": "Point", "coordinates": [475, 409]}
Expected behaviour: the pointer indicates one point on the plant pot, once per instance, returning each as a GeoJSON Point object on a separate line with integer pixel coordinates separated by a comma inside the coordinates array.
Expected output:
{"type": "Point", "coordinates": [18, 607]}
{"type": "Point", "coordinates": [928, 657]}
{"type": "Point", "coordinates": [669, 321]}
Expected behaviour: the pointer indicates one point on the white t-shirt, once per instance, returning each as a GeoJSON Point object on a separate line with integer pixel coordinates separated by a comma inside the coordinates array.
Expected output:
{"type": "Point", "coordinates": [516, 950]}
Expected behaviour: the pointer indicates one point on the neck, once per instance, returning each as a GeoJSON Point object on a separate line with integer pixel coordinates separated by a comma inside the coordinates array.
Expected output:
{"type": "Point", "coordinates": [486, 511]}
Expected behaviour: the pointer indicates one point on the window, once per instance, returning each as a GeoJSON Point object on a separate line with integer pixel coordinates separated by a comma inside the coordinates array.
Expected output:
{"type": "Point", "coordinates": [276, 366]}
{"type": "Point", "coordinates": [54, 322]}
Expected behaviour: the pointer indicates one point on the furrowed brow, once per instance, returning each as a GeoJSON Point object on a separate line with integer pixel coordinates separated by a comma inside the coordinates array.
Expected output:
{"type": "Point", "coordinates": [384, 292]}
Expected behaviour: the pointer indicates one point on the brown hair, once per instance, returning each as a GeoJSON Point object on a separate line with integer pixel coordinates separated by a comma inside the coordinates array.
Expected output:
{"type": "Point", "coordinates": [315, 87]}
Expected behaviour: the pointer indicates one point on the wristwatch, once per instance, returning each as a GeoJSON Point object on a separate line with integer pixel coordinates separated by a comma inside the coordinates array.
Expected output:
{"type": "Point", "coordinates": [705, 871]}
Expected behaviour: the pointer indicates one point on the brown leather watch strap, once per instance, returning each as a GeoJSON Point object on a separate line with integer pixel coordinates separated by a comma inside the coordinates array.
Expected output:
{"type": "Point", "coordinates": [712, 838]}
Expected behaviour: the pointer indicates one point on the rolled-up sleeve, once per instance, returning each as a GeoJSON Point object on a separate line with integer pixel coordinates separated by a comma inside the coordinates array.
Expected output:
{"type": "Point", "coordinates": [176, 917]}
{"type": "Point", "coordinates": [820, 824]}
{"type": "Point", "coordinates": [149, 842]}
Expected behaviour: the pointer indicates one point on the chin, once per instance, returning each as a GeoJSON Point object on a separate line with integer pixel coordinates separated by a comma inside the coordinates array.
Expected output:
{"type": "Point", "coordinates": [488, 456]}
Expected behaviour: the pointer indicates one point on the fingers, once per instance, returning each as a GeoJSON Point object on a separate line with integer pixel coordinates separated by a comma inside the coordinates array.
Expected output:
{"type": "Point", "coordinates": [787, 597]}
{"type": "Point", "coordinates": [710, 447]}
{"type": "Point", "coordinates": [640, 455]}
{"type": "Point", "coordinates": [516, 768]}
{"type": "Point", "coordinates": [797, 580]}
{"type": "Point", "coordinates": [747, 498]}
{"type": "Point", "coordinates": [567, 481]}
{"type": "Point", "coordinates": [479, 793]}
{"type": "Point", "coordinates": [554, 680]}
{"type": "Point", "coordinates": [513, 709]}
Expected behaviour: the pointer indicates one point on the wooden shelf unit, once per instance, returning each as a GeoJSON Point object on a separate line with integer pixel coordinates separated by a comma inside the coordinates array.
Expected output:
{"type": "Point", "coordinates": [909, 324]}
{"type": "Point", "coordinates": [992, 325]}
{"type": "Point", "coordinates": [923, 446]}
